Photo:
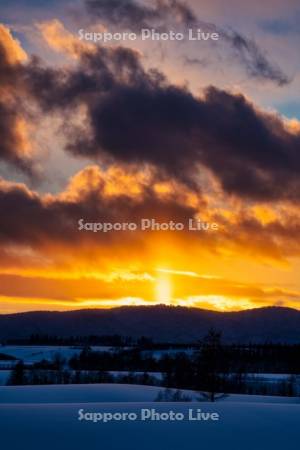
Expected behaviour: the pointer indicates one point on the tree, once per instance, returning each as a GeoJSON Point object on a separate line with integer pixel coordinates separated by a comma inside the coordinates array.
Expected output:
{"type": "Point", "coordinates": [18, 375]}
{"type": "Point", "coordinates": [210, 365]}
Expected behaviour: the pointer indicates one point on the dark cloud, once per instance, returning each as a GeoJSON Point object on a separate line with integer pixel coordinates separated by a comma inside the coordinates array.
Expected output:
{"type": "Point", "coordinates": [10, 139]}
{"type": "Point", "coordinates": [50, 225]}
{"type": "Point", "coordinates": [12, 117]}
{"type": "Point", "coordinates": [34, 220]}
{"type": "Point", "coordinates": [133, 15]}
{"type": "Point", "coordinates": [136, 116]}
{"type": "Point", "coordinates": [255, 61]}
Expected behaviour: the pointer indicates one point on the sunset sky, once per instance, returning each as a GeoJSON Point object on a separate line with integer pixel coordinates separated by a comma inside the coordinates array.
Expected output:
{"type": "Point", "coordinates": [126, 130]}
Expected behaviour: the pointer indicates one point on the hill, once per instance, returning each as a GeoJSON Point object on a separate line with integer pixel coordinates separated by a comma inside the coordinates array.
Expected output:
{"type": "Point", "coordinates": [161, 323]}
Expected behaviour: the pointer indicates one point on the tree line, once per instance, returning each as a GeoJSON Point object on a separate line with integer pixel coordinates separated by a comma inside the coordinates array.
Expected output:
{"type": "Point", "coordinates": [212, 367]}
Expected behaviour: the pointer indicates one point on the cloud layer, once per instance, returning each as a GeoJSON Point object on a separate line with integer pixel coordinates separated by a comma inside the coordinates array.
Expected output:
{"type": "Point", "coordinates": [135, 115]}
{"type": "Point", "coordinates": [169, 14]}
{"type": "Point", "coordinates": [156, 150]}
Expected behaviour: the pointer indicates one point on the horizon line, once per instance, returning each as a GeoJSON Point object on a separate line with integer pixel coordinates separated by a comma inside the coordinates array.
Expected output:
{"type": "Point", "coordinates": [158, 305]}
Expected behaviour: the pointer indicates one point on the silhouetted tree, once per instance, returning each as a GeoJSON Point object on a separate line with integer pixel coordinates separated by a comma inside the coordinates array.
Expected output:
{"type": "Point", "coordinates": [210, 364]}
{"type": "Point", "coordinates": [18, 375]}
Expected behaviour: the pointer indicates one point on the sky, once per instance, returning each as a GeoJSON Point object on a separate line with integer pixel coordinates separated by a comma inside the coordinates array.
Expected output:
{"type": "Point", "coordinates": [127, 130]}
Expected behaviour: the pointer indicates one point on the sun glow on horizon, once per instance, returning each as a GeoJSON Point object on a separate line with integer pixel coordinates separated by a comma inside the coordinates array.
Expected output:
{"type": "Point", "coordinates": [151, 284]}
{"type": "Point", "coordinates": [163, 289]}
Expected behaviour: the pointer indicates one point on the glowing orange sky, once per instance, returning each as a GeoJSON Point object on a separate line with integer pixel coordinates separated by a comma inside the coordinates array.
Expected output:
{"type": "Point", "coordinates": [47, 264]}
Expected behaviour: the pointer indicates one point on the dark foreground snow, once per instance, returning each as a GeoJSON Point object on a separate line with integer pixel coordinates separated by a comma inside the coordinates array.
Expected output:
{"type": "Point", "coordinates": [51, 421]}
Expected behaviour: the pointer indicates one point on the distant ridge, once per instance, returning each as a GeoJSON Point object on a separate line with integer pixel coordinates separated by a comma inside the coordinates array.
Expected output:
{"type": "Point", "coordinates": [161, 323]}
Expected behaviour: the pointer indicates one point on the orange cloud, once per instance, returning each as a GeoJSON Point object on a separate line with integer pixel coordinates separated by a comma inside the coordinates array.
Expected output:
{"type": "Point", "coordinates": [62, 40]}
{"type": "Point", "coordinates": [44, 255]}
{"type": "Point", "coordinates": [14, 53]}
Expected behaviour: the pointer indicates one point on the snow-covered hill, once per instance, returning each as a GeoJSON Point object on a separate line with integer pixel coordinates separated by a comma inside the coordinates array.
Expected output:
{"type": "Point", "coordinates": [46, 417]}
